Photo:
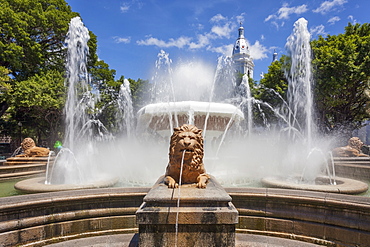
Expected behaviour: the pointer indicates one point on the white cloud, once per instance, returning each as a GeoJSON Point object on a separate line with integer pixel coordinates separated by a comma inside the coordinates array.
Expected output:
{"type": "Point", "coordinates": [125, 7]}
{"type": "Point", "coordinates": [353, 20]}
{"type": "Point", "coordinates": [285, 11]}
{"type": "Point", "coordinates": [328, 6]}
{"type": "Point", "coordinates": [198, 26]}
{"type": "Point", "coordinates": [318, 30]}
{"type": "Point", "coordinates": [217, 18]}
{"type": "Point", "coordinates": [179, 42]}
{"type": "Point", "coordinates": [258, 51]}
{"type": "Point", "coordinates": [203, 40]}
{"type": "Point", "coordinates": [225, 50]}
{"type": "Point", "coordinates": [240, 18]}
{"type": "Point", "coordinates": [122, 40]}
{"type": "Point", "coordinates": [223, 31]}
{"type": "Point", "coordinates": [333, 20]}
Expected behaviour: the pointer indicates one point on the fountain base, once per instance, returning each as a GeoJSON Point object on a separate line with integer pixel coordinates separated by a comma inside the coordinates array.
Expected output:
{"type": "Point", "coordinates": [205, 217]}
{"type": "Point", "coordinates": [37, 185]}
{"type": "Point", "coordinates": [343, 185]}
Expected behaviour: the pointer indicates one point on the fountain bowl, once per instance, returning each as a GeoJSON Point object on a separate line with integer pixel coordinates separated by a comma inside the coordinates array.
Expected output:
{"type": "Point", "coordinates": [37, 185]}
{"type": "Point", "coordinates": [159, 117]}
{"type": "Point", "coordinates": [321, 183]}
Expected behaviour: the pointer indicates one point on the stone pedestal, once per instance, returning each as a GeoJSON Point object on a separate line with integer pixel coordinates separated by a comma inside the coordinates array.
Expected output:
{"type": "Point", "coordinates": [206, 217]}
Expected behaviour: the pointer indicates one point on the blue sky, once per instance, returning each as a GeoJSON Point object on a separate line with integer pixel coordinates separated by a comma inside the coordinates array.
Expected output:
{"type": "Point", "coordinates": [132, 33]}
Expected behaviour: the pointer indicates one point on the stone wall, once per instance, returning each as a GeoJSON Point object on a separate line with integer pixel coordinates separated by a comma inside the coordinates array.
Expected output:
{"type": "Point", "coordinates": [51, 217]}
{"type": "Point", "coordinates": [321, 218]}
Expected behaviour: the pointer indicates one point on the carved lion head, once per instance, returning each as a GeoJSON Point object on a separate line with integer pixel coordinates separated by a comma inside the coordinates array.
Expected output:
{"type": "Point", "coordinates": [187, 142]}
{"type": "Point", "coordinates": [355, 143]}
{"type": "Point", "coordinates": [28, 143]}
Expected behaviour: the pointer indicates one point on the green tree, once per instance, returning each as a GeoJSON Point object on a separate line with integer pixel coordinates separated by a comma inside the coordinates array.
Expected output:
{"type": "Point", "coordinates": [37, 103]}
{"type": "Point", "coordinates": [32, 49]}
{"type": "Point", "coordinates": [274, 85]}
{"type": "Point", "coordinates": [272, 91]}
{"type": "Point", "coordinates": [140, 91]}
{"type": "Point", "coordinates": [5, 86]}
{"type": "Point", "coordinates": [32, 35]}
{"type": "Point", "coordinates": [342, 75]}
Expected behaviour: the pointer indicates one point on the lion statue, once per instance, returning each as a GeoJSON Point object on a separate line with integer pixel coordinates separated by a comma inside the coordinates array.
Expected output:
{"type": "Point", "coordinates": [353, 149]}
{"type": "Point", "coordinates": [187, 145]}
{"type": "Point", "coordinates": [30, 150]}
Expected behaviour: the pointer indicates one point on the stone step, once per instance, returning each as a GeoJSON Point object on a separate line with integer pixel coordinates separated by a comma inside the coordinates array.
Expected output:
{"type": "Point", "coordinates": [22, 168]}
{"type": "Point", "coordinates": [25, 160]}
{"type": "Point", "coordinates": [20, 174]}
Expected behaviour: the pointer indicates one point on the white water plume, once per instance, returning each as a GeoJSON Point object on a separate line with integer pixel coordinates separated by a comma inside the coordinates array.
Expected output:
{"type": "Point", "coordinates": [300, 98]}
{"type": "Point", "coordinates": [77, 81]}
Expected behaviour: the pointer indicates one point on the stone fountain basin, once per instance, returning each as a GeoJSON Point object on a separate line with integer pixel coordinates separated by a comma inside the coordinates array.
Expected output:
{"type": "Point", "coordinates": [219, 115]}
{"type": "Point", "coordinates": [322, 183]}
{"type": "Point", "coordinates": [37, 185]}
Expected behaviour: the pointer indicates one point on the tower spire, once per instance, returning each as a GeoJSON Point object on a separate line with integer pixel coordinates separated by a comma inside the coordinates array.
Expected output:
{"type": "Point", "coordinates": [241, 31]}
{"type": "Point", "coordinates": [242, 59]}
{"type": "Point", "coordinates": [274, 56]}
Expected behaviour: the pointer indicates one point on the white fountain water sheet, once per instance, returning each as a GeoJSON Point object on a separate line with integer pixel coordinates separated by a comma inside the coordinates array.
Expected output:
{"type": "Point", "coordinates": [299, 76]}
{"type": "Point", "coordinates": [74, 163]}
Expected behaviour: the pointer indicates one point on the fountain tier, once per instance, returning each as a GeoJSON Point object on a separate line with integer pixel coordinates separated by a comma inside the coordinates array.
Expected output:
{"type": "Point", "coordinates": [162, 117]}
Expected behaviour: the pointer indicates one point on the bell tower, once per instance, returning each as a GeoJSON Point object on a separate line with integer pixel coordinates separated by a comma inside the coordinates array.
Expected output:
{"type": "Point", "coordinates": [243, 62]}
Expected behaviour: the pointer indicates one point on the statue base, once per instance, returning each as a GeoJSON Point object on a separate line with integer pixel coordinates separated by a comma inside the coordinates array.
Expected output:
{"type": "Point", "coordinates": [205, 217]}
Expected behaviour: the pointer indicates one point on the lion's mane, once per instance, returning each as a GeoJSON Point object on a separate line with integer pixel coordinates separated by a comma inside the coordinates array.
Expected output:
{"type": "Point", "coordinates": [28, 143]}
{"type": "Point", "coordinates": [193, 169]}
{"type": "Point", "coordinates": [355, 143]}
{"type": "Point", "coordinates": [175, 157]}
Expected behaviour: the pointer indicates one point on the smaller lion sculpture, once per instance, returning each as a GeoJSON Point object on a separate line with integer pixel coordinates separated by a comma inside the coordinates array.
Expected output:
{"type": "Point", "coordinates": [353, 149]}
{"type": "Point", "coordinates": [30, 150]}
{"type": "Point", "coordinates": [186, 147]}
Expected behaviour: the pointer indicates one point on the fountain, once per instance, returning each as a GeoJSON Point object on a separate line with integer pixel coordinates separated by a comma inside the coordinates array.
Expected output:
{"type": "Point", "coordinates": [301, 128]}
{"type": "Point", "coordinates": [179, 99]}
{"type": "Point", "coordinates": [214, 117]}
{"type": "Point", "coordinates": [274, 212]}
{"type": "Point", "coordinates": [73, 167]}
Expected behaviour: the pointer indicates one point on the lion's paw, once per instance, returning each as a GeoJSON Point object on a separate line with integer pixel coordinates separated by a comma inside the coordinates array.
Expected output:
{"type": "Point", "coordinates": [171, 183]}
{"type": "Point", "coordinates": [202, 181]}
{"type": "Point", "coordinates": [201, 185]}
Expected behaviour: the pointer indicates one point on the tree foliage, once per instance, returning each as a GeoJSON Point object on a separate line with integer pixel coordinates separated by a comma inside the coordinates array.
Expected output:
{"type": "Point", "coordinates": [32, 34]}
{"type": "Point", "coordinates": [37, 103]}
{"type": "Point", "coordinates": [342, 76]}
{"type": "Point", "coordinates": [274, 83]}
{"type": "Point", "coordinates": [140, 90]}
{"type": "Point", "coordinates": [32, 51]}
{"type": "Point", "coordinates": [272, 91]}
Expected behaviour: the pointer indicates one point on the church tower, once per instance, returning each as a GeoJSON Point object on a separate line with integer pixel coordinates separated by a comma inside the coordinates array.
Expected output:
{"type": "Point", "coordinates": [274, 56]}
{"type": "Point", "coordinates": [243, 62]}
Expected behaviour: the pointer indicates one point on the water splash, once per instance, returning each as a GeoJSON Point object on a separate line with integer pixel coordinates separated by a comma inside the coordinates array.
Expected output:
{"type": "Point", "coordinates": [74, 163]}
{"type": "Point", "coordinates": [246, 92]}
{"type": "Point", "coordinates": [299, 76]}
{"type": "Point", "coordinates": [125, 105]}
{"type": "Point", "coordinates": [163, 90]}
{"type": "Point", "coordinates": [79, 97]}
